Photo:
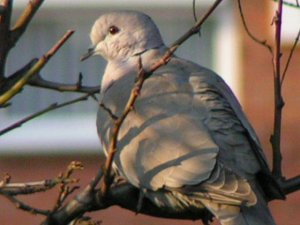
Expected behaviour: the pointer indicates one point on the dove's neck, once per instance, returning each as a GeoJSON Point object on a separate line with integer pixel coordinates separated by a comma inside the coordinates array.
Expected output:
{"type": "Point", "coordinates": [116, 69]}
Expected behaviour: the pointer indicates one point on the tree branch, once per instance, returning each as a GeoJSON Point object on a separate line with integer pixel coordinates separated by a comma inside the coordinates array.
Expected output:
{"type": "Point", "coordinates": [135, 91]}
{"type": "Point", "coordinates": [290, 185]}
{"type": "Point", "coordinates": [5, 16]}
{"type": "Point", "coordinates": [278, 100]}
{"type": "Point", "coordinates": [52, 107]}
{"type": "Point", "coordinates": [12, 189]}
{"type": "Point", "coordinates": [21, 205]}
{"type": "Point", "coordinates": [194, 30]}
{"type": "Point", "coordinates": [17, 87]}
{"type": "Point", "coordinates": [65, 189]}
{"type": "Point", "coordinates": [294, 5]}
{"type": "Point", "coordinates": [290, 57]}
{"type": "Point", "coordinates": [250, 34]}
{"type": "Point", "coordinates": [38, 81]}
{"type": "Point", "coordinates": [12, 79]}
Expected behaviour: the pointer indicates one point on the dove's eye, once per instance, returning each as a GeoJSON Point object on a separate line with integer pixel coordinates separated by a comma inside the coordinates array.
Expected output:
{"type": "Point", "coordinates": [113, 30]}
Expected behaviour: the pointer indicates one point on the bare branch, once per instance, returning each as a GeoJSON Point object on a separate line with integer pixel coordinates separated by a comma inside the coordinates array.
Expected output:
{"type": "Point", "coordinates": [194, 30]}
{"type": "Point", "coordinates": [108, 110]}
{"type": "Point", "coordinates": [290, 57]}
{"type": "Point", "coordinates": [52, 107]}
{"type": "Point", "coordinates": [31, 187]}
{"type": "Point", "coordinates": [5, 16]}
{"type": "Point", "coordinates": [12, 79]}
{"type": "Point", "coordinates": [7, 188]}
{"type": "Point", "coordinates": [65, 189]}
{"type": "Point", "coordinates": [252, 36]}
{"type": "Point", "coordinates": [38, 81]}
{"type": "Point", "coordinates": [194, 10]}
{"type": "Point", "coordinates": [290, 185]}
{"type": "Point", "coordinates": [135, 91]}
{"type": "Point", "coordinates": [278, 100]}
{"type": "Point", "coordinates": [21, 205]}
{"type": "Point", "coordinates": [294, 5]}
{"type": "Point", "coordinates": [17, 87]}
{"type": "Point", "coordinates": [10, 190]}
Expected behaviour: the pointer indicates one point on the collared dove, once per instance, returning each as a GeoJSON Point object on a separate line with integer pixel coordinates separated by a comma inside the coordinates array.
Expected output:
{"type": "Point", "coordinates": [187, 145]}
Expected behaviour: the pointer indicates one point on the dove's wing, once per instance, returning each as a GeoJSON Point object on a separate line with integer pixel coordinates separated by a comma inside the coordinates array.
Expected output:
{"type": "Point", "coordinates": [180, 126]}
{"type": "Point", "coordinates": [164, 141]}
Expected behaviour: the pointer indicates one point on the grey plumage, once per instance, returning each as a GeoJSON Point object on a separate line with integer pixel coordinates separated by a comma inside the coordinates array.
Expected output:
{"type": "Point", "coordinates": [187, 144]}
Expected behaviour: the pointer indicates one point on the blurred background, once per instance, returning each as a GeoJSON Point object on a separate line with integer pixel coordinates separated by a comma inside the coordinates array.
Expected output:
{"type": "Point", "coordinates": [42, 148]}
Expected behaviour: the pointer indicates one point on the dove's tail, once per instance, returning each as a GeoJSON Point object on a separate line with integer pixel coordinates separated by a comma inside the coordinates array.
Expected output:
{"type": "Point", "coordinates": [254, 215]}
{"type": "Point", "coordinates": [258, 214]}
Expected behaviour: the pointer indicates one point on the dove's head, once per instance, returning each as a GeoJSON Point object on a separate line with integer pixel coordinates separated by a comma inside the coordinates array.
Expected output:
{"type": "Point", "coordinates": [122, 34]}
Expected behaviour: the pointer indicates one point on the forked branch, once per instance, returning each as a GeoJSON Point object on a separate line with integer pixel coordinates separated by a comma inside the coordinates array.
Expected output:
{"type": "Point", "coordinates": [17, 87]}
{"type": "Point", "coordinates": [12, 190]}
{"type": "Point", "coordinates": [51, 107]}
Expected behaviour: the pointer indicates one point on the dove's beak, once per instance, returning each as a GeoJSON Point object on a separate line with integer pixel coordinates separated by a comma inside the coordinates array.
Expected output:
{"type": "Point", "coordinates": [91, 52]}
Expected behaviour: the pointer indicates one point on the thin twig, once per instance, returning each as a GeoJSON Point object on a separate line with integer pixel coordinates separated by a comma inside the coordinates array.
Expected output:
{"type": "Point", "coordinates": [194, 30]}
{"type": "Point", "coordinates": [117, 125]}
{"type": "Point", "coordinates": [5, 18]}
{"type": "Point", "coordinates": [21, 205]}
{"type": "Point", "coordinates": [10, 190]}
{"type": "Point", "coordinates": [195, 15]}
{"type": "Point", "coordinates": [51, 107]}
{"type": "Point", "coordinates": [7, 188]}
{"type": "Point", "coordinates": [38, 81]}
{"type": "Point", "coordinates": [290, 57]}
{"type": "Point", "coordinates": [26, 119]}
{"type": "Point", "coordinates": [65, 189]}
{"type": "Point", "coordinates": [252, 36]}
{"type": "Point", "coordinates": [108, 110]}
{"type": "Point", "coordinates": [194, 10]}
{"type": "Point", "coordinates": [278, 101]}
{"type": "Point", "coordinates": [294, 5]}
{"type": "Point", "coordinates": [31, 187]}
{"type": "Point", "coordinates": [17, 87]}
